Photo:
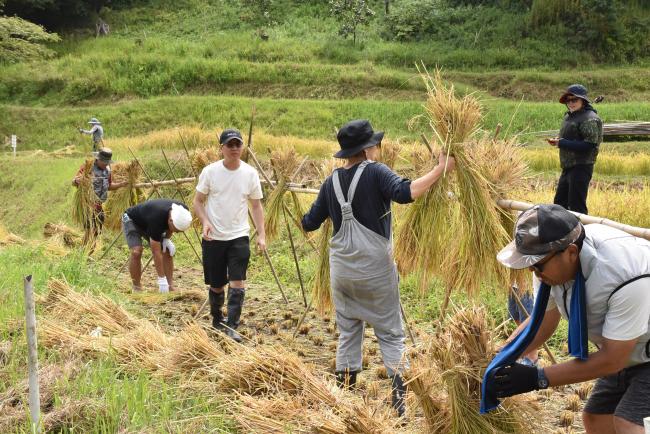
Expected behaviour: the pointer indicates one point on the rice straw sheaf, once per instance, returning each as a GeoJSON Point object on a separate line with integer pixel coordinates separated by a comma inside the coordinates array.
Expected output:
{"type": "Point", "coordinates": [390, 153]}
{"type": "Point", "coordinates": [204, 157]}
{"type": "Point", "coordinates": [85, 200]}
{"type": "Point", "coordinates": [60, 232]}
{"type": "Point", "coordinates": [452, 365]}
{"type": "Point", "coordinates": [7, 238]}
{"type": "Point", "coordinates": [83, 311]}
{"type": "Point", "coordinates": [284, 163]}
{"type": "Point", "coordinates": [121, 199]}
{"type": "Point", "coordinates": [454, 236]}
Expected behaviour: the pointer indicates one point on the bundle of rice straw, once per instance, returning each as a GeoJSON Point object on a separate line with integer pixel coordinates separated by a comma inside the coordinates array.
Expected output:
{"type": "Point", "coordinates": [68, 236]}
{"type": "Point", "coordinates": [446, 379]}
{"type": "Point", "coordinates": [204, 157]}
{"type": "Point", "coordinates": [320, 285]}
{"type": "Point", "coordinates": [85, 200]}
{"type": "Point", "coordinates": [284, 162]}
{"type": "Point", "coordinates": [390, 152]}
{"type": "Point", "coordinates": [7, 238]}
{"type": "Point", "coordinates": [454, 236]}
{"type": "Point", "coordinates": [504, 166]}
{"type": "Point", "coordinates": [84, 312]}
{"type": "Point", "coordinates": [125, 197]}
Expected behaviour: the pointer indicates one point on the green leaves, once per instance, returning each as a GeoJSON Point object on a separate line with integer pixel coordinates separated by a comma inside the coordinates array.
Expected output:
{"type": "Point", "coordinates": [21, 40]}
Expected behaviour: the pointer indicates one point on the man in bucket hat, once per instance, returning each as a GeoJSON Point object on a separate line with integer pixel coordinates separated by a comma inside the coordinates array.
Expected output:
{"type": "Point", "coordinates": [102, 180]}
{"type": "Point", "coordinates": [364, 279]}
{"type": "Point", "coordinates": [155, 220]}
{"type": "Point", "coordinates": [580, 136]}
{"type": "Point", "coordinates": [223, 192]}
{"type": "Point", "coordinates": [97, 131]}
{"type": "Point", "coordinates": [598, 278]}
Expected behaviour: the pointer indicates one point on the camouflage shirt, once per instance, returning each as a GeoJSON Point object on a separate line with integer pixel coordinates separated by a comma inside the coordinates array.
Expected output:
{"type": "Point", "coordinates": [583, 125]}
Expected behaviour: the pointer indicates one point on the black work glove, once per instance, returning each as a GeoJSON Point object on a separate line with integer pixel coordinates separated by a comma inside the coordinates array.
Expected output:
{"type": "Point", "coordinates": [515, 379]}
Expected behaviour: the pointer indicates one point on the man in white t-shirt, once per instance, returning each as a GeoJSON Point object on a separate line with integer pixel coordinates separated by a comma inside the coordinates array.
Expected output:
{"type": "Point", "coordinates": [615, 266]}
{"type": "Point", "coordinates": [222, 195]}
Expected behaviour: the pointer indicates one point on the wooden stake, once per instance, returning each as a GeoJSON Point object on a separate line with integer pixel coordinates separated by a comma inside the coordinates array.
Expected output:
{"type": "Point", "coordinates": [295, 258]}
{"type": "Point", "coordinates": [32, 355]}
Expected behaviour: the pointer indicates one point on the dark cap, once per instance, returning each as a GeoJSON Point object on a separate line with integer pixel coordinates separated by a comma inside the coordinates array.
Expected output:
{"type": "Point", "coordinates": [105, 155]}
{"type": "Point", "coordinates": [539, 231]}
{"type": "Point", "coordinates": [356, 136]}
{"type": "Point", "coordinates": [577, 90]}
{"type": "Point", "coordinates": [228, 135]}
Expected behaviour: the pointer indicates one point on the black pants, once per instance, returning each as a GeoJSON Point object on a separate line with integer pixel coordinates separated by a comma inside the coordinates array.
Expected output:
{"type": "Point", "coordinates": [572, 187]}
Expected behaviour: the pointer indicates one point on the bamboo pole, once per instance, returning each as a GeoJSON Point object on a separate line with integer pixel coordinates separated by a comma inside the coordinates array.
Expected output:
{"type": "Point", "coordinates": [295, 258]}
{"type": "Point", "coordinates": [190, 179]}
{"type": "Point", "coordinates": [32, 355]}
{"type": "Point", "coordinates": [585, 219]}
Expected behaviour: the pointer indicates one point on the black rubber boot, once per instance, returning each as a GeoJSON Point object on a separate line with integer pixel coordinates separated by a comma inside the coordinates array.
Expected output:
{"type": "Point", "coordinates": [235, 304]}
{"type": "Point", "coordinates": [346, 379]}
{"type": "Point", "coordinates": [398, 394]}
{"type": "Point", "coordinates": [216, 303]}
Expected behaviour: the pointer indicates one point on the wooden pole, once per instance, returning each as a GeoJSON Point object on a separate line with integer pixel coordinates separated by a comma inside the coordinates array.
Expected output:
{"type": "Point", "coordinates": [32, 355]}
{"type": "Point", "coordinates": [295, 258]}
{"type": "Point", "coordinates": [585, 219]}
{"type": "Point", "coordinates": [268, 260]}
{"type": "Point", "coordinates": [406, 323]}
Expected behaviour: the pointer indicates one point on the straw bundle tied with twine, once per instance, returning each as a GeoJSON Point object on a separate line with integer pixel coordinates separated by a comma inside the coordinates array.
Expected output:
{"type": "Point", "coordinates": [284, 163]}
{"type": "Point", "coordinates": [125, 197]}
{"type": "Point", "coordinates": [446, 380]}
{"type": "Point", "coordinates": [85, 200]}
{"type": "Point", "coordinates": [62, 234]}
{"type": "Point", "coordinates": [455, 230]}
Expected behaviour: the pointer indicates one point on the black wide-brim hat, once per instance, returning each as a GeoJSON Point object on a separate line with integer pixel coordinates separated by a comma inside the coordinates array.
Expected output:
{"type": "Point", "coordinates": [356, 136]}
{"type": "Point", "coordinates": [576, 90]}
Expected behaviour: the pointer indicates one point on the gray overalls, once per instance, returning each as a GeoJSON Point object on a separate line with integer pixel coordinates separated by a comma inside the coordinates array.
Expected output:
{"type": "Point", "coordinates": [365, 288]}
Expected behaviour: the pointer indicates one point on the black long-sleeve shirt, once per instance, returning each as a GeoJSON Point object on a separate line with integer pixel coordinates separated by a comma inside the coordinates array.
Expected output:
{"type": "Point", "coordinates": [377, 187]}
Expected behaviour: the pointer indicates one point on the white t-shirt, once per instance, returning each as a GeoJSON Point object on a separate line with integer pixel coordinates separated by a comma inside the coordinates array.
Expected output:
{"type": "Point", "coordinates": [616, 267]}
{"type": "Point", "coordinates": [228, 192]}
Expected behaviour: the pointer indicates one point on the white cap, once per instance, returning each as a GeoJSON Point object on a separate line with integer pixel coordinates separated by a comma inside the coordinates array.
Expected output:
{"type": "Point", "coordinates": [181, 217]}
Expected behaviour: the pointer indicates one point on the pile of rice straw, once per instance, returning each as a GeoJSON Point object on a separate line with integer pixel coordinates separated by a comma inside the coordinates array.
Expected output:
{"type": "Point", "coordinates": [84, 200]}
{"type": "Point", "coordinates": [284, 162]}
{"type": "Point", "coordinates": [63, 234]}
{"type": "Point", "coordinates": [7, 238]}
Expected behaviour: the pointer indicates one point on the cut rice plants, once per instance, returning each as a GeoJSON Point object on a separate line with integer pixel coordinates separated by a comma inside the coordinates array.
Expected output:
{"type": "Point", "coordinates": [125, 197]}
{"type": "Point", "coordinates": [84, 209]}
{"type": "Point", "coordinates": [284, 163]}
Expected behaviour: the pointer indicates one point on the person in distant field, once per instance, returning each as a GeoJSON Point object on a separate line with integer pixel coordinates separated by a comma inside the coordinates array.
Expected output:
{"type": "Point", "coordinates": [102, 183]}
{"type": "Point", "coordinates": [156, 221]}
{"type": "Point", "coordinates": [580, 136]}
{"type": "Point", "coordinates": [223, 192]}
{"type": "Point", "coordinates": [97, 131]}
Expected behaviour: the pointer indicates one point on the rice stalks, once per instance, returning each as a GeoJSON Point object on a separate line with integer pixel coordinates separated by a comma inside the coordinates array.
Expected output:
{"type": "Point", "coordinates": [284, 162]}
{"type": "Point", "coordinates": [8, 239]}
{"type": "Point", "coordinates": [390, 153]}
{"type": "Point", "coordinates": [125, 197]}
{"type": "Point", "coordinates": [85, 200]}
{"type": "Point", "coordinates": [61, 233]}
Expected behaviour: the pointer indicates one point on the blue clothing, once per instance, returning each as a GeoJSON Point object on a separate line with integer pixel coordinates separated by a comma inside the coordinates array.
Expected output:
{"type": "Point", "coordinates": [576, 145]}
{"type": "Point", "coordinates": [515, 311]}
{"type": "Point", "coordinates": [512, 351]}
{"type": "Point", "coordinates": [377, 187]}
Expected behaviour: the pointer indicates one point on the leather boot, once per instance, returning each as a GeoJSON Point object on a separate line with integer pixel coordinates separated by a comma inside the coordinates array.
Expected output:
{"type": "Point", "coordinates": [216, 303]}
{"type": "Point", "coordinates": [235, 304]}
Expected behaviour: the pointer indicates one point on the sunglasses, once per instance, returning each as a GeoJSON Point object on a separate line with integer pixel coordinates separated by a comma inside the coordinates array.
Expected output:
{"type": "Point", "coordinates": [233, 144]}
{"type": "Point", "coordinates": [570, 100]}
{"type": "Point", "coordinates": [540, 266]}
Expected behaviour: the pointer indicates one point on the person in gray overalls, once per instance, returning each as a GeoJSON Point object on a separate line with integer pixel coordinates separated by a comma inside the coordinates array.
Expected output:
{"type": "Point", "coordinates": [364, 279]}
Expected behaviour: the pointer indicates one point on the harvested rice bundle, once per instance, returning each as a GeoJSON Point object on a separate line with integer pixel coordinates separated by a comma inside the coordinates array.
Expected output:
{"type": "Point", "coordinates": [85, 200]}
{"type": "Point", "coordinates": [52, 334]}
{"type": "Point", "coordinates": [141, 348]}
{"type": "Point", "coordinates": [204, 157]}
{"type": "Point", "coordinates": [467, 259]}
{"type": "Point", "coordinates": [7, 238]}
{"type": "Point", "coordinates": [59, 231]}
{"type": "Point", "coordinates": [85, 312]}
{"type": "Point", "coordinates": [279, 413]}
{"type": "Point", "coordinates": [284, 162]}
{"type": "Point", "coordinates": [192, 352]}
{"type": "Point", "coordinates": [390, 152]}
{"type": "Point", "coordinates": [125, 197]}
{"type": "Point", "coordinates": [452, 364]}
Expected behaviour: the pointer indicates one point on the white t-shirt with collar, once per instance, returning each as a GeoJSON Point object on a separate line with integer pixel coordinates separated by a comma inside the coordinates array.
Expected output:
{"type": "Point", "coordinates": [616, 267]}
{"type": "Point", "coordinates": [228, 192]}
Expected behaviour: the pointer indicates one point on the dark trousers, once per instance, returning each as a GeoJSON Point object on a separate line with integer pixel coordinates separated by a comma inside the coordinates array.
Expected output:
{"type": "Point", "coordinates": [572, 187]}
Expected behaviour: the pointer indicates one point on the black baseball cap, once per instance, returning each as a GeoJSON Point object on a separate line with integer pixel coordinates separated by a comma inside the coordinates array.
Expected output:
{"type": "Point", "coordinates": [539, 231]}
{"type": "Point", "coordinates": [228, 135]}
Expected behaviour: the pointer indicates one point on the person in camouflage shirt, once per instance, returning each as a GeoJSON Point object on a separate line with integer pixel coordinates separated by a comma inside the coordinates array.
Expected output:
{"type": "Point", "coordinates": [580, 135]}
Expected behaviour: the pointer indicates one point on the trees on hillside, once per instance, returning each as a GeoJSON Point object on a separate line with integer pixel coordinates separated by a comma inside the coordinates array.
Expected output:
{"type": "Point", "coordinates": [21, 40]}
{"type": "Point", "coordinates": [351, 15]}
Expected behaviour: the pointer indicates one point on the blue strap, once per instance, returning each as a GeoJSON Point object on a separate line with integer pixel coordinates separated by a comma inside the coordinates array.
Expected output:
{"type": "Point", "coordinates": [578, 346]}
